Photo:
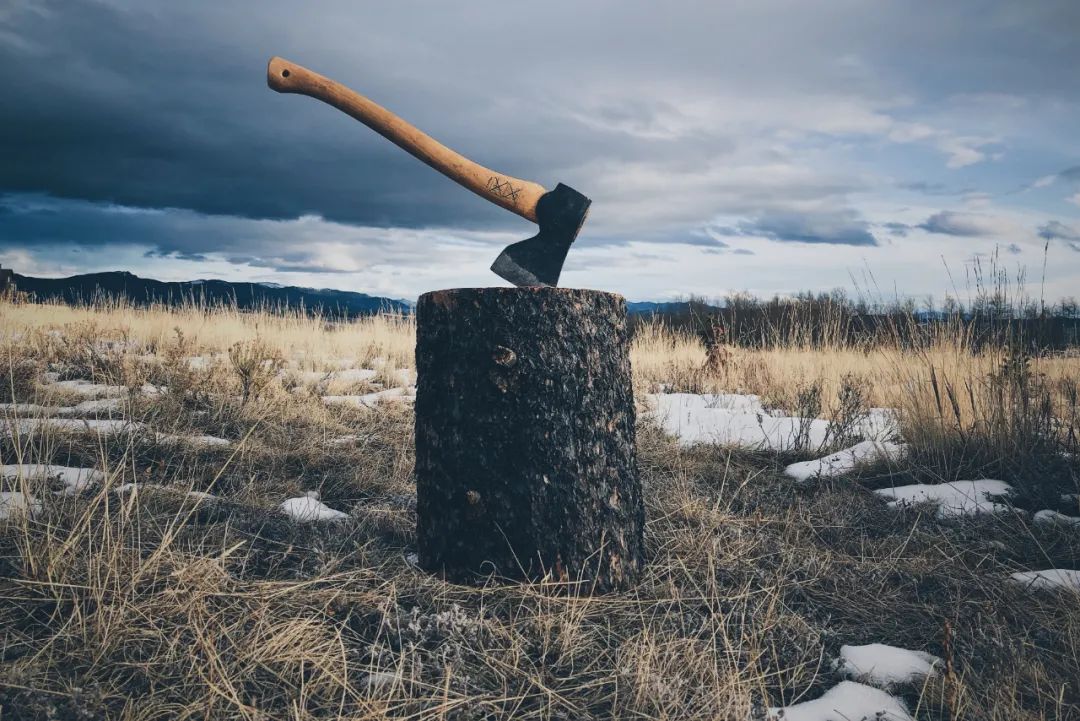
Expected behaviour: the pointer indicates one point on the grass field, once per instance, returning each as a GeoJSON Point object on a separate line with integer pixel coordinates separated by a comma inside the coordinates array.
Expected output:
{"type": "Point", "coordinates": [151, 602]}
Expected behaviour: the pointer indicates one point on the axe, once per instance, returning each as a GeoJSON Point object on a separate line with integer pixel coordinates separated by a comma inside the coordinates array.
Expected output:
{"type": "Point", "coordinates": [560, 213]}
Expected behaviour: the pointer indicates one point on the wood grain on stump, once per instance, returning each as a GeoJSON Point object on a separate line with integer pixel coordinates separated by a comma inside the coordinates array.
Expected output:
{"type": "Point", "coordinates": [525, 458]}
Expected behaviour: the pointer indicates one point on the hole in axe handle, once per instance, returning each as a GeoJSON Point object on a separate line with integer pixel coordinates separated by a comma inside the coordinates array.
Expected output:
{"type": "Point", "coordinates": [285, 73]}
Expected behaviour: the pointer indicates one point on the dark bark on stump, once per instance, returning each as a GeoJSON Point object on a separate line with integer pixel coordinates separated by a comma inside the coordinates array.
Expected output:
{"type": "Point", "coordinates": [525, 458]}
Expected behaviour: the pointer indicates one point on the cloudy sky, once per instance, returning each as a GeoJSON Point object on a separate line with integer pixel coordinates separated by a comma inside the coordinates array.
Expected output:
{"type": "Point", "coordinates": [757, 146]}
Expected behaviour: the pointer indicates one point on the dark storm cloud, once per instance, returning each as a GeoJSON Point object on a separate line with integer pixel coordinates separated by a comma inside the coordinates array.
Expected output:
{"type": "Point", "coordinates": [1070, 174]}
{"type": "Point", "coordinates": [1056, 230]}
{"type": "Point", "coordinates": [130, 105]}
{"type": "Point", "coordinates": [959, 224]}
{"type": "Point", "coordinates": [833, 228]}
{"type": "Point", "coordinates": [667, 116]}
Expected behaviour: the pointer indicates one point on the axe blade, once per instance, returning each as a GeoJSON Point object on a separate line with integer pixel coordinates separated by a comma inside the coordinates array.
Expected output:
{"type": "Point", "coordinates": [538, 261]}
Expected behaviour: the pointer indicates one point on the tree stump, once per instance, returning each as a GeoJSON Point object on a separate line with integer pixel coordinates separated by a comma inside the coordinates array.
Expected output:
{"type": "Point", "coordinates": [525, 458]}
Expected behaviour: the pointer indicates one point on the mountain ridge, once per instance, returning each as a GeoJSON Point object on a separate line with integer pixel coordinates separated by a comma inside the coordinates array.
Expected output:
{"type": "Point", "coordinates": [78, 289]}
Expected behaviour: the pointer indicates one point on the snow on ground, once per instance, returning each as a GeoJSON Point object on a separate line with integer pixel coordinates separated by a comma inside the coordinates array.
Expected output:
{"type": "Point", "coordinates": [343, 375]}
{"type": "Point", "coordinates": [695, 418]}
{"type": "Point", "coordinates": [309, 508]}
{"type": "Point", "coordinates": [879, 424]}
{"type": "Point", "coordinates": [128, 488]}
{"type": "Point", "coordinates": [847, 701]}
{"type": "Point", "coordinates": [26, 409]}
{"type": "Point", "coordinates": [88, 388]}
{"type": "Point", "coordinates": [14, 504]}
{"type": "Point", "coordinates": [959, 498]}
{"type": "Point", "coordinates": [1053, 517]}
{"type": "Point", "coordinates": [84, 387]}
{"type": "Point", "coordinates": [193, 440]}
{"type": "Point", "coordinates": [1048, 579]}
{"type": "Point", "coordinates": [882, 665]}
{"type": "Point", "coordinates": [199, 362]}
{"type": "Point", "coordinates": [378, 679]}
{"type": "Point", "coordinates": [100, 405]}
{"type": "Point", "coordinates": [75, 479]}
{"type": "Point", "coordinates": [371, 400]}
{"type": "Point", "coordinates": [845, 461]}
{"type": "Point", "coordinates": [348, 440]}
{"type": "Point", "coordinates": [103, 426]}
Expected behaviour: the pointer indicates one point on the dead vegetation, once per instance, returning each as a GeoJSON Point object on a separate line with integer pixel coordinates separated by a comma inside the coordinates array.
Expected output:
{"type": "Point", "coordinates": [154, 603]}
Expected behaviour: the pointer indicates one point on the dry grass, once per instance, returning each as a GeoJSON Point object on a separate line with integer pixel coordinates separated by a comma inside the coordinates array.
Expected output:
{"type": "Point", "coordinates": [157, 605]}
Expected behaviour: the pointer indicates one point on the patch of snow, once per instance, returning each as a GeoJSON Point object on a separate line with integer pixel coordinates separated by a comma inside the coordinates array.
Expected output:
{"type": "Point", "coordinates": [691, 418]}
{"type": "Point", "coordinates": [15, 504]}
{"type": "Point", "coordinates": [845, 461]}
{"type": "Point", "coordinates": [105, 426]}
{"type": "Point", "coordinates": [1048, 579]}
{"type": "Point", "coordinates": [404, 377]}
{"type": "Point", "coordinates": [27, 409]}
{"type": "Point", "coordinates": [101, 426]}
{"type": "Point", "coordinates": [958, 498]}
{"type": "Point", "coordinates": [882, 665]}
{"type": "Point", "coordinates": [196, 440]}
{"type": "Point", "coordinates": [413, 559]}
{"type": "Point", "coordinates": [347, 440]}
{"type": "Point", "coordinates": [1053, 517]}
{"type": "Point", "coordinates": [371, 400]}
{"type": "Point", "coordinates": [879, 424]}
{"type": "Point", "coordinates": [88, 388]}
{"type": "Point", "coordinates": [75, 479]}
{"type": "Point", "coordinates": [306, 508]}
{"type": "Point", "coordinates": [136, 487]}
{"type": "Point", "coordinates": [378, 679]}
{"type": "Point", "coordinates": [847, 701]}
{"type": "Point", "coordinates": [100, 405]}
{"type": "Point", "coordinates": [353, 375]}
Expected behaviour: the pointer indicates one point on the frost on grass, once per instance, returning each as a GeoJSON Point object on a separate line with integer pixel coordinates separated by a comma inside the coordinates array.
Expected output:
{"type": "Point", "coordinates": [847, 701]}
{"type": "Point", "coordinates": [308, 508]}
{"type": "Point", "coordinates": [74, 480]}
{"type": "Point", "coordinates": [881, 665]}
{"type": "Point", "coordinates": [958, 498]}
{"type": "Point", "coordinates": [694, 418]}
{"type": "Point", "coordinates": [1049, 579]}
{"type": "Point", "coordinates": [845, 461]}
{"type": "Point", "coordinates": [1052, 518]}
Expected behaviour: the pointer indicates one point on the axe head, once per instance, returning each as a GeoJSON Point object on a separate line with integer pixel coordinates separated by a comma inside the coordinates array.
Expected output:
{"type": "Point", "coordinates": [560, 214]}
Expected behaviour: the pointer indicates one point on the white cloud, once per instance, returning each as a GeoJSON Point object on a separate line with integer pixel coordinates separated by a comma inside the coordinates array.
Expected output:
{"type": "Point", "coordinates": [1044, 181]}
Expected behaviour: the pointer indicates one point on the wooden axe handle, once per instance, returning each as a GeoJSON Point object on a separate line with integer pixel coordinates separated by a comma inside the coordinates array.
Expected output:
{"type": "Point", "coordinates": [517, 196]}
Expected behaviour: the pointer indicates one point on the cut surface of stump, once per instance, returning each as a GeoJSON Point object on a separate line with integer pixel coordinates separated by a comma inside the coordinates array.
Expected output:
{"type": "Point", "coordinates": [525, 457]}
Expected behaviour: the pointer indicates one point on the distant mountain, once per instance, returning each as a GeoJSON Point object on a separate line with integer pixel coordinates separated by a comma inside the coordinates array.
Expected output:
{"type": "Point", "coordinates": [143, 291]}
